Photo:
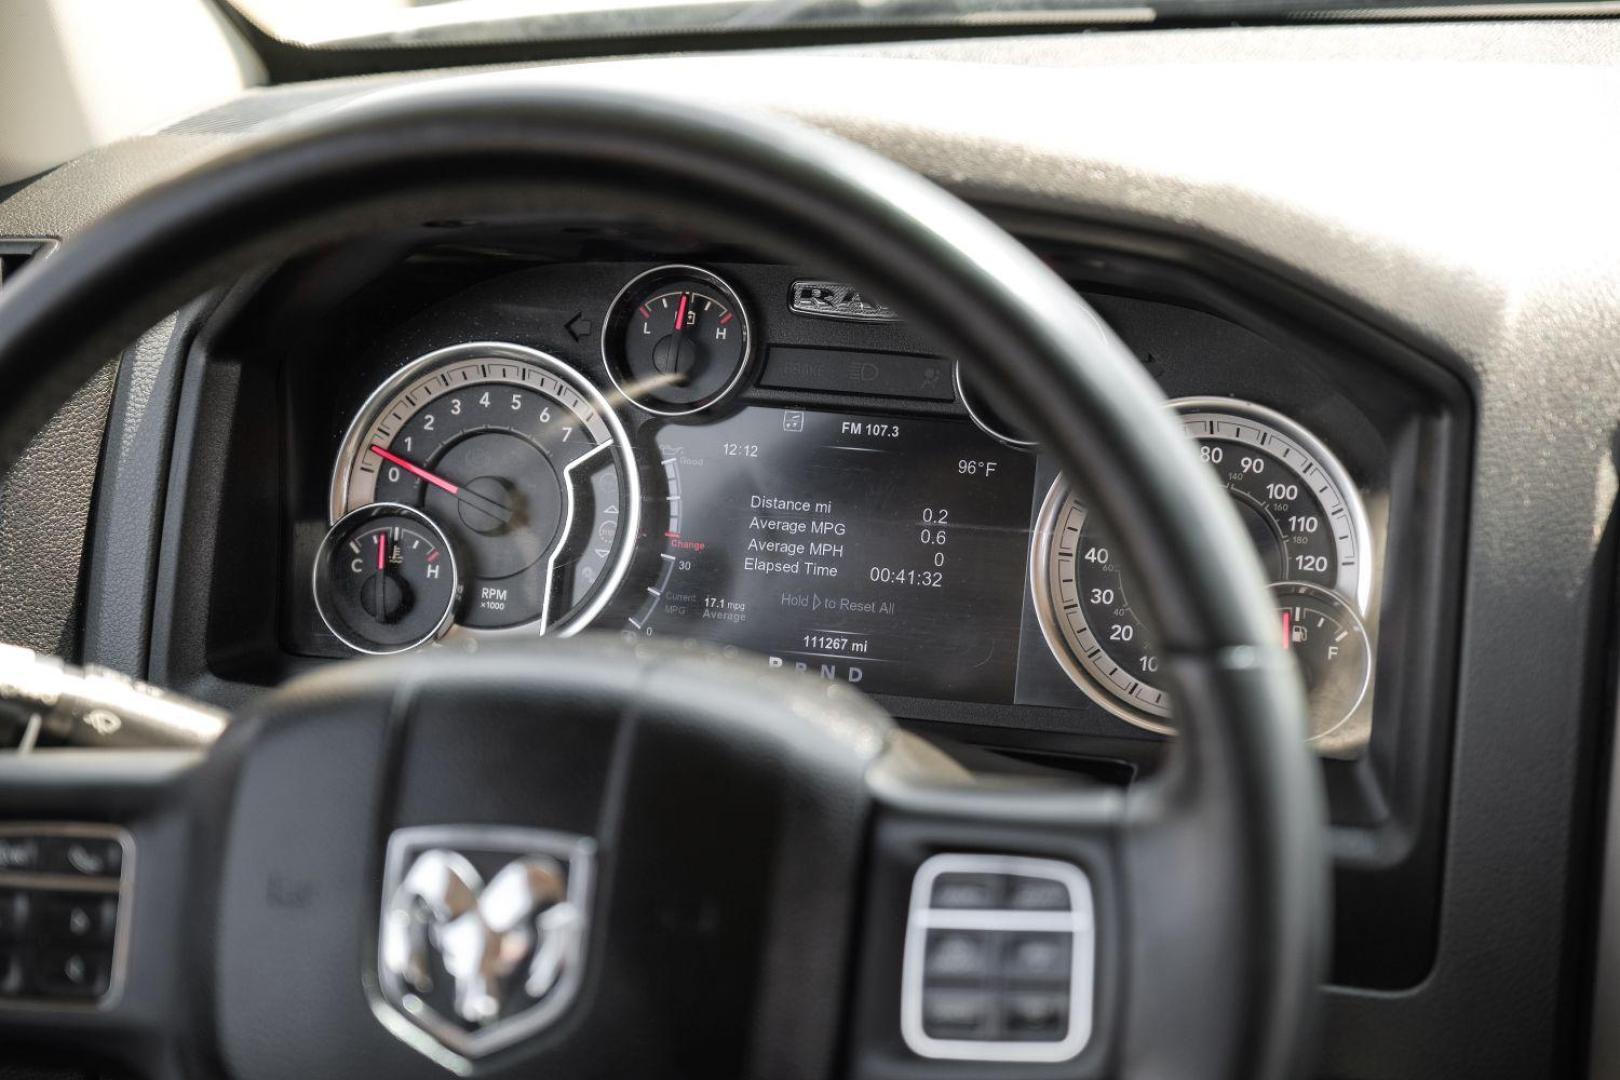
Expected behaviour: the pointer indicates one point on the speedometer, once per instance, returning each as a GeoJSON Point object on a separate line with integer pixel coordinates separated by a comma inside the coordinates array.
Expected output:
{"type": "Point", "coordinates": [1300, 509]}
{"type": "Point", "coordinates": [523, 465]}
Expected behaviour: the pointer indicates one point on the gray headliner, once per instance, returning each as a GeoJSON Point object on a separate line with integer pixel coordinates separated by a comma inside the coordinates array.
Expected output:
{"type": "Point", "coordinates": [1455, 184]}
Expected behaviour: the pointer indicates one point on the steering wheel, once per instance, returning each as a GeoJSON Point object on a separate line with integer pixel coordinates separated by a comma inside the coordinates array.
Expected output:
{"type": "Point", "coordinates": [706, 868]}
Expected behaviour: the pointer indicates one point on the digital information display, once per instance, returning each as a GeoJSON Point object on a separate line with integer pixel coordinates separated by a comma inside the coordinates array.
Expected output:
{"type": "Point", "coordinates": [889, 553]}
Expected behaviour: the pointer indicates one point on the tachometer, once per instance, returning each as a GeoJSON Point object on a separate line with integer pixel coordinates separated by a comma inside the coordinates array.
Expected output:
{"type": "Point", "coordinates": [1301, 510]}
{"type": "Point", "coordinates": [524, 466]}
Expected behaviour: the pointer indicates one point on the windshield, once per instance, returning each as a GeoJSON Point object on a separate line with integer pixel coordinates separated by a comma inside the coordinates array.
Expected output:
{"type": "Point", "coordinates": [405, 22]}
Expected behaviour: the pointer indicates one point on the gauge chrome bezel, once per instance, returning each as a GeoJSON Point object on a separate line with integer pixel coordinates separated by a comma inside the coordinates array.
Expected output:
{"type": "Point", "coordinates": [980, 422]}
{"type": "Point", "coordinates": [1356, 587]}
{"type": "Point", "coordinates": [685, 270]}
{"type": "Point", "coordinates": [346, 524]}
{"type": "Point", "coordinates": [630, 518]}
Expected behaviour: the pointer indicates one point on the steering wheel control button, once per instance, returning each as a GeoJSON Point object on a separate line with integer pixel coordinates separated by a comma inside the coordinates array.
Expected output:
{"type": "Point", "coordinates": [1000, 960]}
{"type": "Point", "coordinates": [1035, 1015]}
{"type": "Point", "coordinates": [74, 973]}
{"type": "Point", "coordinates": [1037, 957]}
{"type": "Point", "coordinates": [13, 972]}
{"type": "Point", "coordinates": [959, 954]}
{"type": "Point", "coordinates": [15, 906]}
{"type": "Point", "coordinates": [62, 897]}
{"type": "Point", "coordinates": [969, 891]}
{"type": "Point", "coordinates": [19, 854]}
{"type": "Point", "coordinates": [94, 857]}
{"type": "Point", "coordinates": [80, 918]}
{"type": "Point", "coordinates": [1037, 894]}
{"type": "Point", "coordinates": [959, 1014]}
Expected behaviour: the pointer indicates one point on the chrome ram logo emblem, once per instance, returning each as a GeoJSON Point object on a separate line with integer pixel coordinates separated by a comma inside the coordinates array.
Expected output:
{"type": "Point", "coordinates": [483, 933]}
{"type": "Point", "coordinates": [837, 300]}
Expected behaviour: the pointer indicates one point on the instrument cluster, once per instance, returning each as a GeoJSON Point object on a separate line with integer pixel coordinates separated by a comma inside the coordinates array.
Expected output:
{"type": "Point", "coordinates": [853, 509]}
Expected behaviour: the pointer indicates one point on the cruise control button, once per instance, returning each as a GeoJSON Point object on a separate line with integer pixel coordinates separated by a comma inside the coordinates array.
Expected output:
{"type": "Point", "coordinates": [1038, 957]}
{"type": "Point", "coordinates": [958, 954]}
{"type": "Point", "coordinates": [15, 906]}
{"type": "Point", "coordinates": [19, 853]}
{"type": "Point", "coordinates": [1037, 894]}
{"type": "Point", "coordinates": [78, 973]}
{"type": "Point", "coordinates": [967, 891]}
{"type": "Point", "coordinates": [13, 975]}
{"type": "Point", "coordinates": [1036, 1015]}
{"type": "Point", "coordinates": [80, 918]}
{"type": "Point", "coordinates": [957, 1014]}
{"type": "Point", "coordinates": [84, 856]}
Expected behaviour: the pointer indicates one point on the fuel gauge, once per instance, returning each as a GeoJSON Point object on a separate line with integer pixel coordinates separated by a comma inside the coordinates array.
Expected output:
{"type": "Point", "coordinates": [386, 579]}
{"type": "Point", "coordinates": [1329, 641]}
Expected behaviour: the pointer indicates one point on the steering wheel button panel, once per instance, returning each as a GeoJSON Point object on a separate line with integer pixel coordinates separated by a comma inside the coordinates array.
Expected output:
{"type": "Point", "coordinates": [63, 907]}
{"type": "Point", "coordinates": [985, 980]}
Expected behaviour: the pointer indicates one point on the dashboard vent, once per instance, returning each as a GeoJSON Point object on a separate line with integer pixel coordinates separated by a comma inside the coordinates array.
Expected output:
{"type": "Point", "coordinates": [17, 253]}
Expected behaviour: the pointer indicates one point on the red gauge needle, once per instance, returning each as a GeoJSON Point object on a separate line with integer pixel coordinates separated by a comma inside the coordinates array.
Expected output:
{"type": "Point", "coordinates": [382, 550]}
{"type": "Point", "coordinates": [680, 312]}
{"type": "Point", "coordinates": [1288, 629]}
{"type": "Point", "coordinates": [472, 498]}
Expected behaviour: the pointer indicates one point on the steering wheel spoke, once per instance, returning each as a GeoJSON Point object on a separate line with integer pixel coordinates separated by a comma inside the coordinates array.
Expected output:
{"type": "Point", "coordinates": [993, 931]}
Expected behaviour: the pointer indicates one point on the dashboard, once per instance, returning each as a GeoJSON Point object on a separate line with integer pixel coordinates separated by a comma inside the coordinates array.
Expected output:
{"type": "Point", "coordinates": [749, 455]}
{"type": "Point", "coordinates": [490, 490]}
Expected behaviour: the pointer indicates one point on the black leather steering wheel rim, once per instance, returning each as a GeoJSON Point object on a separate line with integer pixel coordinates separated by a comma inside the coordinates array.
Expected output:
{"type": "Point", "coordinates": [499, 142]}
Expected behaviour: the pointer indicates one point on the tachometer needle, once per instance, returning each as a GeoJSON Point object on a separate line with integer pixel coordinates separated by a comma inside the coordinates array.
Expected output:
{"type": "Point", "coordinates": [483, 502]}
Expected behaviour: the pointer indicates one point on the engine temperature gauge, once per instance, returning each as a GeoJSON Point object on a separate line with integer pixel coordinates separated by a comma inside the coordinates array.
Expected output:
{"type": "Point", "coordinates": [676, 340]}
{"type": "Point", "coordinates": [386, 579]}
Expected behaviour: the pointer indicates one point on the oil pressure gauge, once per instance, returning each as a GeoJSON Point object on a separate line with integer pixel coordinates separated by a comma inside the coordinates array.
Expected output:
{"type": "Point", "coordinates": [676, 340]}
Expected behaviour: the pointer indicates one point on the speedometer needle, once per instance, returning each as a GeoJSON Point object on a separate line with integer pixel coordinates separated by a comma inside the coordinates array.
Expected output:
{"type": "Point", "coordinates": [483, 502]}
